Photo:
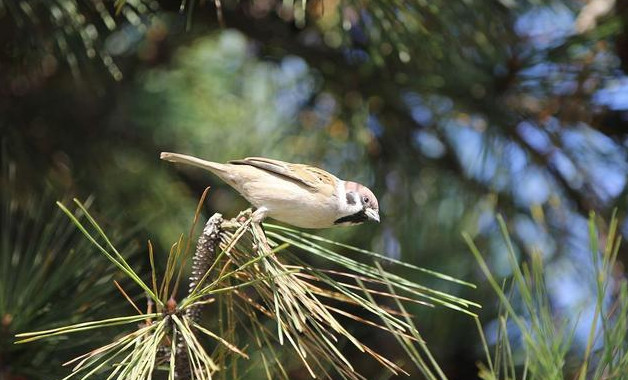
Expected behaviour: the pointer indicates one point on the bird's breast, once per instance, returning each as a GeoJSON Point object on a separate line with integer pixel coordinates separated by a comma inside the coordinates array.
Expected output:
{"type": "Point", "coordinates": [290, 202]}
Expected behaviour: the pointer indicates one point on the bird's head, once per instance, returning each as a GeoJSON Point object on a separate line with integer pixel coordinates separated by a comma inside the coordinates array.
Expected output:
{"type": "Point", "coordinates": [359, 205]}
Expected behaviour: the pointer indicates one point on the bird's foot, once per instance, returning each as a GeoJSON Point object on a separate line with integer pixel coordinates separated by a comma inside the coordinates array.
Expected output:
{"type": "Point", "coordinates": [259, 215]}
{"type": "Point", "coordinates": [244, 215]}
{"type": "Point", "coordinates": [256, 222]}
{"type": "Point", "coordinates": [261, 240]}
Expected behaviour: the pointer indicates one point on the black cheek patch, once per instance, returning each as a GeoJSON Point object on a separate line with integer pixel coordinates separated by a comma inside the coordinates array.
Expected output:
{"type": "Point", "coordinates": [350, 199]}
{"type": "Point", "coordinates": [357, 218]}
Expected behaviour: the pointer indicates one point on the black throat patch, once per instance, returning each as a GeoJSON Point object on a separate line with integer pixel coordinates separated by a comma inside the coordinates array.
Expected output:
{"type": "Point", "coordinates": [357, 218]}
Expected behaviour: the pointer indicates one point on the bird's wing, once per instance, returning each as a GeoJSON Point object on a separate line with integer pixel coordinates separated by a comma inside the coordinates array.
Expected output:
{"type": "Point", "coordinates": [310, 176]}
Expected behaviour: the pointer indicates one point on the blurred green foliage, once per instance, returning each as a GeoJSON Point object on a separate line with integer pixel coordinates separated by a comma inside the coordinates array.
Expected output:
{"type": "Point", "coordinates": [49, 276]}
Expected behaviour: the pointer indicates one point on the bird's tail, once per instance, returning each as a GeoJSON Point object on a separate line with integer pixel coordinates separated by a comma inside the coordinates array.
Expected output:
{"type": "Point", "coordinates": [213, 167]}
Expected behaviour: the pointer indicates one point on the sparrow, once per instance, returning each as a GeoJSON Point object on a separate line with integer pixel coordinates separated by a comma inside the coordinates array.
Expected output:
{"type": "Point", "coordinates": [300, 195]}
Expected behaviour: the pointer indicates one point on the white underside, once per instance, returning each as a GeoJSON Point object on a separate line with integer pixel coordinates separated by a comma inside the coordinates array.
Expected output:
{"type": "Point", "coordinates": [291, 203]}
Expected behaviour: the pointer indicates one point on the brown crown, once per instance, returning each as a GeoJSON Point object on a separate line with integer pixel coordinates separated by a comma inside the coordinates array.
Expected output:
{"type": "Point", "coordinates": [364, 192]}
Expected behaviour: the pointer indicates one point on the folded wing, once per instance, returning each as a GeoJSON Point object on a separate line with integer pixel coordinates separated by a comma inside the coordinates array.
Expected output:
{"type": "Point", "coordinates": [308, 176]}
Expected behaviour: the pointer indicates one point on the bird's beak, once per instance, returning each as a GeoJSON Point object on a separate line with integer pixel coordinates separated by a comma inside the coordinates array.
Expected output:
{"type": "Point", "coordinates": [372, 214]}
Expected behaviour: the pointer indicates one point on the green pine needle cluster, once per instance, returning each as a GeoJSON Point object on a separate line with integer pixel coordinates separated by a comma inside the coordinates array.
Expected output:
{"type": "Point", "coordinates": [271, 305]}
{"type": "Point", "coordinates": [48, 276]}
{"type": "Point", "coordinates": [548, 350]}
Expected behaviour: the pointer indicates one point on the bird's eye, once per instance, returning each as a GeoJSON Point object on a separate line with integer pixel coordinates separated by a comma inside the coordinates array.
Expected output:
{"type": "Point", "coordinates": [365, 199]}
